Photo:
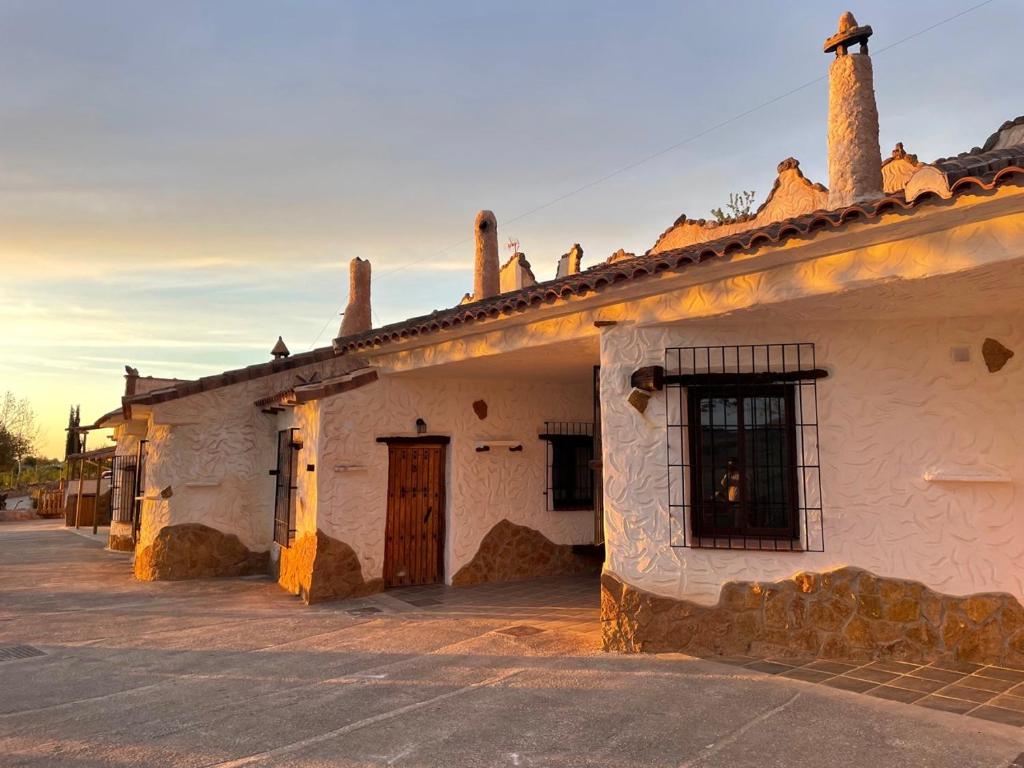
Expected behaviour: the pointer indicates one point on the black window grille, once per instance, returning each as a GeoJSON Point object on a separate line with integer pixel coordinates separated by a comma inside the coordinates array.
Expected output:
{"type": "Point", "coordinates": [570, 474]}
{"type": "Point", "coordinates": [743, 454]}
{"type": "Point", "coordinates": [288, 446]}
{"type": "Point", "coordinates": [123, 474]}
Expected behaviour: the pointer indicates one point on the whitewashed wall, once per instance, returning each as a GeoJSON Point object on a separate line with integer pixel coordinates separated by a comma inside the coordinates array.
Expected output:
{"type": "Point", "coordinates": [894, 407]}
{"type": "Point", "coordinates": [482, 488]}
{"type": "Point", "coordinates": [214, 450]}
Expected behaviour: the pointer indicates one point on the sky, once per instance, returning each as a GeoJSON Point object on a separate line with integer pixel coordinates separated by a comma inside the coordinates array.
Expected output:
{"type": "Point", "coordinates": [180, 183]}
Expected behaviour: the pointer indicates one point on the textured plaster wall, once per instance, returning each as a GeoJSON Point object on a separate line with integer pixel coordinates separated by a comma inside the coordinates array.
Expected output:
{"type": "Point", "coordinates": [894, 407]}
{"type": "Point", "coordinates": [854, 157]}
{"type": "Point", "coordinates": [482, 488]}
{"type": "Point", "coordinates": [214, 450]}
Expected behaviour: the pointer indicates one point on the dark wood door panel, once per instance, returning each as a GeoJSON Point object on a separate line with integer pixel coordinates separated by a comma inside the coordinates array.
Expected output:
{"type": "Point", "coordinates": [414, 534]}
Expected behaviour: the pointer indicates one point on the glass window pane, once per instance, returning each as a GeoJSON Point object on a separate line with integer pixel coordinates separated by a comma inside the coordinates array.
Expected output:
{"type": "Point", "coordinates": [745, 463]}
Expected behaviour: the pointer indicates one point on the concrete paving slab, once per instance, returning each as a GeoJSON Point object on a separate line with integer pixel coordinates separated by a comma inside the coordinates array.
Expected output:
{"type": "Point", "coordinates": [235, 672]}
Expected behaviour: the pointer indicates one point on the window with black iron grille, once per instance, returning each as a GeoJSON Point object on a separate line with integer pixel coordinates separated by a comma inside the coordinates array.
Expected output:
{"type": "Point", "coordinates": [570, 453]}
{"type": "Point", "coordinates": [743, 452]}
{"type": "Point", "coordinates": [288, 446]}
{"type": "Point", "coordinates": [123, 474]}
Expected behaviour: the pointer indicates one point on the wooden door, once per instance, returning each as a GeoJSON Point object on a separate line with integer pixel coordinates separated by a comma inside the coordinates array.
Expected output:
{"type": "Point", "coordinates": [414, 539]}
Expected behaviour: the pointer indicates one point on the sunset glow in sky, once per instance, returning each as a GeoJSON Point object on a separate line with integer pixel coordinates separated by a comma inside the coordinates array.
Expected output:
{"type": "Point", "coordinates": [182, 182]}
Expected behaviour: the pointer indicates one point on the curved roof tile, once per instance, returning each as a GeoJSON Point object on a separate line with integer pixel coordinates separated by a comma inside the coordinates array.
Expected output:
{"type": "Point", "coordinates": [982, 171]}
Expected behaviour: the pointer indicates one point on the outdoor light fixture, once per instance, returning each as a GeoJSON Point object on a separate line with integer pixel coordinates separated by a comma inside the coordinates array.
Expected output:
{"type": "Point", "coordinates": [421, 427]}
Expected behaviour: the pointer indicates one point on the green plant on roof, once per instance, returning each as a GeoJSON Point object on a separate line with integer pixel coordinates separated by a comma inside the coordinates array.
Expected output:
{"type": "Point", "coordinates": [737, 209]}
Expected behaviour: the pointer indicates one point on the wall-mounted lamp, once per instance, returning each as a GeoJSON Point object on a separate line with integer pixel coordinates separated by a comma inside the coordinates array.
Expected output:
{"type": "Point", "coordinates": [421, 427]}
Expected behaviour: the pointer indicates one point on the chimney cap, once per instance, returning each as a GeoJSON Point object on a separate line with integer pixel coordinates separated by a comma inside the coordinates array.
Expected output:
{"type": "Point", "coordinates": [484, 220]}
{"type": "Point", "coordinates": [280, 349]}
{"type": "Point", "coordinates": [849, 33]}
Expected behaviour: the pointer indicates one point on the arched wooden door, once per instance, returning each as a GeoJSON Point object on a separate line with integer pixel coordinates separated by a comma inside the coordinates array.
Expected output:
{"type": "Point", "coordinates": [414, 536]}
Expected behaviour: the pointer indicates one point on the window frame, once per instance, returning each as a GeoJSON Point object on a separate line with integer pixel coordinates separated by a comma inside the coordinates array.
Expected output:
{"type": "Point", "coordinates": [576, 503]}
{"type": "Point", "coordinates": [577, 433]}
{"type": "Point", "coordinates": [740, 392]}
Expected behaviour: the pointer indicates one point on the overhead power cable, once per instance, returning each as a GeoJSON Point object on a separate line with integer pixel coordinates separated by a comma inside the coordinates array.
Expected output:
{"type": "Point", "coordinates": [655, 155]}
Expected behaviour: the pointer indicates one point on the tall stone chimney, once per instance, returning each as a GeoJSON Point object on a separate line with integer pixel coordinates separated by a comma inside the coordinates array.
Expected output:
{"type": "Point", "coordinates": [854, 157]}
{"type": "Point", "coordinates": [486, 270]}
{"type": "Point", "coordinates": [357, 314]}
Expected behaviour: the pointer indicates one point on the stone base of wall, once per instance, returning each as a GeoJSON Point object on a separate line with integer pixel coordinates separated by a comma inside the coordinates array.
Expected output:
{"type": "Point", "coordinates": [196, 551]}
{"type": "Point", "coordinates": [121, 538]}
{"type": "Point", "coordinates": [121, 543]}
{"type": "Point", "coordinates": [848, 613]}
{"type": "Point", "coordinates": [512, 552]}
{"type": "Point", "coordinates": [317, 568]}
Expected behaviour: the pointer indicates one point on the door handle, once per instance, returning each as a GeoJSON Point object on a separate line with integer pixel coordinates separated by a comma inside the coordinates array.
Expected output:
{"type": "Point", "coordinates": [427, 516]}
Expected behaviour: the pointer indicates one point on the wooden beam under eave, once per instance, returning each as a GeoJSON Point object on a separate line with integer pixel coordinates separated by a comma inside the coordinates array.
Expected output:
{"type": "Point", "coordinates": [331, 388]}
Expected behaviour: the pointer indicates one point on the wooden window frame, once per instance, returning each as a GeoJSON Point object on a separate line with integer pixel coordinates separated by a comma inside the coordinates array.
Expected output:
{"type": "Point", "coordinates": [576, 504]}
{"type": "Point", "coordinates": [740, 393]}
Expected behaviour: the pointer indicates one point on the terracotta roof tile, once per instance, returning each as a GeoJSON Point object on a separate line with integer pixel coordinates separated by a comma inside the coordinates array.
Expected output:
{"type": "Point", "coordinates": [980, 171]}
{"type": "Point", "coordinates": [979, 165]}
{"type": "Point", "coordinates": [207, 383]}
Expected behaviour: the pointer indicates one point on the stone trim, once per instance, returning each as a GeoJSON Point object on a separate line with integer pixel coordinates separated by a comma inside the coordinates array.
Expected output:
{"type": "Point", "coordinates": [121, 543]}
{"type": "Point", "coordinates": [511, 552]}
{"type": "Point", "coordinates": [847, 613]}
{"type": "Point", "coordinates": [121, 537]}
{"type": "Point", "coordinates": [196, 551]}
{"type": "Point", "coordinates": [317, 568]}
{"type": "Point", "coordinates": [792, 194]}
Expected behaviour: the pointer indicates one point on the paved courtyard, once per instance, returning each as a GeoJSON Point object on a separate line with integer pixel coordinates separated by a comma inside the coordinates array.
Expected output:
{"type": "Point", "coordinates": [234, 672]}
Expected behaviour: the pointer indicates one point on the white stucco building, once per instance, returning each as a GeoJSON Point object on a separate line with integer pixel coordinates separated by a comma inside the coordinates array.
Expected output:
{"type": "Point", "coordinates": [827, 386]}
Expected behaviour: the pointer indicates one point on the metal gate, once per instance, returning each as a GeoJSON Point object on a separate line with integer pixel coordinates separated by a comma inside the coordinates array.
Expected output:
{"type": "Point", "coordinates": [123, 476]}
{"type": "Point", "coordinates": [288, 445]}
